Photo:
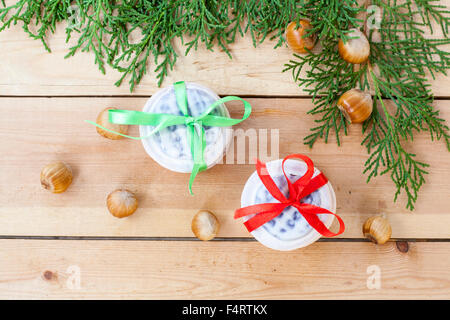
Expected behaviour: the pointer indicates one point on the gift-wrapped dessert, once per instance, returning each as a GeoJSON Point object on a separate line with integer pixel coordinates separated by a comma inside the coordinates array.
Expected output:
{"type": "Point", "coordinates": [185, 127]}
{"type": "Point", "coordinates": [170, 146]}
{"type": "Point", "coordinates": [288, 204]}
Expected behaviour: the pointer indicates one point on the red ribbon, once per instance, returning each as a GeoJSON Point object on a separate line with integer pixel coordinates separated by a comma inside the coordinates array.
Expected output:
{"type": "Point", "coordinates": [297, 190]}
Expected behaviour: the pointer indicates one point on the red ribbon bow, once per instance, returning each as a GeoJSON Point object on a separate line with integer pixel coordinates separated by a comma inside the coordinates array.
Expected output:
{"type": "Point", "coordinates": [297, 190]}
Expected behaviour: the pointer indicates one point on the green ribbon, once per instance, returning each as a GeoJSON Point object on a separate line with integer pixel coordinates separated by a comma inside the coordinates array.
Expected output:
{"type": "Point", "coordinates": [195, 125]}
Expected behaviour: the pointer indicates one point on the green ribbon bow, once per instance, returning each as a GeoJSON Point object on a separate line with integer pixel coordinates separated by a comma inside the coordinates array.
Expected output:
{"type": "Point", "coordinates": [195, 129]}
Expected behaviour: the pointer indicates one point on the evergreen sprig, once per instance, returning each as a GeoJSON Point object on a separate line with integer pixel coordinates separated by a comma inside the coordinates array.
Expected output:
{"type": "Point", "coordinates": [129, 35]}
{"type": "Point", "coordinates": [401, 60]}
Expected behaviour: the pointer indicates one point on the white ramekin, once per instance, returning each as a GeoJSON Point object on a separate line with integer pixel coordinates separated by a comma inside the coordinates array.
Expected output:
{"type": "Point", "coordinates": [214, 152]}
{"type": "Point", "coordinates": [297, 168]}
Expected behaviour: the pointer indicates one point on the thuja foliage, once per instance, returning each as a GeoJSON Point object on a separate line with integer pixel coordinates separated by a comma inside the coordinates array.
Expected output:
{"type": "Point", "coordinates": [401, 61]}
{"type": "Point", "coordinates": [133, 36]}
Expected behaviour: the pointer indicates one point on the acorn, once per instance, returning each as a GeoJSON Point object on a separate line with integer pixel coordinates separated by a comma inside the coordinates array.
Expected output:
{"type": "Point", "coordinates": [356, 105]}
{"type": "Point", "coordinates": [377, 229]}
{"type": "Point", "coordinates": [295, 36]}
{"type": "Point", "coordinates": [56, 177]}
{"type": "Point", "coordinates": [357, 50]}
{"type": "Point", "coordinates": [205, 225]}
{"type": "Point", "coordinates": [121, 203]}
{"type": "Point", "coordinates": [103, 120]}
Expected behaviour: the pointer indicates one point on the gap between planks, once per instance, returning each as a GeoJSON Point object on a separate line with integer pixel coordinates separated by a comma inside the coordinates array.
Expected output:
{"type": "Point", "coordinates": [218, 239]}
{"type": "Point", "coordinates": [131, 96]}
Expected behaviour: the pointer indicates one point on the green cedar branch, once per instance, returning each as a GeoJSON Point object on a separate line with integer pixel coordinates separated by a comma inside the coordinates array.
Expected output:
{"type": "Point", "coordinates": [402, 59]}
{"type": "Point", "coordinates": [131, 35]}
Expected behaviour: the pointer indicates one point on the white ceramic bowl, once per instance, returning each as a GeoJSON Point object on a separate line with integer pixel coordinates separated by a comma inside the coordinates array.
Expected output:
{"type": "Point", "coordinates": [169, 147]}
{"type": "Point", "coordinates": [297, 232]}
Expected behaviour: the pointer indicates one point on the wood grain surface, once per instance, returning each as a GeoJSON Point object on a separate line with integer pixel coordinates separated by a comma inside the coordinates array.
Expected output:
{"type": "Point", "coordinates": [36, 131]}
{"type": "Point", "coordinates": [223, 270]}
{"type": "Point", "coordinates": [44, 100]}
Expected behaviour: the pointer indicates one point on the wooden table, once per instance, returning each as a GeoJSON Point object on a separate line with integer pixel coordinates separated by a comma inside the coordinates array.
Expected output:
{"type": "Point", "coordinates": [69, 246]}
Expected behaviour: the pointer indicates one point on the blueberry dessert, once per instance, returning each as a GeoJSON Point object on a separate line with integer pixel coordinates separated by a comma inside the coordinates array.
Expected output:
{"type": "Point", "coordinates": [290, 224]}
{"type": "Point", "coordinates": [170, 146]}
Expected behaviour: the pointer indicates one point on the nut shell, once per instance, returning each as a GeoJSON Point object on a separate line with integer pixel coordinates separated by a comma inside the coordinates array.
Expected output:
{"type": "Point", "coordinates": [121, 203]}
{"type": "Point", "coordinates": [355, 51]}
{"type": "Point", "coordinates": [205, 225]}
{"type": "Point", "coordinates": [295, 36]}
{"type": "Point", "coordinates": [377, 229]}
{"type": "Point", "coordinates": [103, 120]}
{"type": "Point", "coordinates": [56, 177]}
{"type": "Point", "coordinates": [356, 105]}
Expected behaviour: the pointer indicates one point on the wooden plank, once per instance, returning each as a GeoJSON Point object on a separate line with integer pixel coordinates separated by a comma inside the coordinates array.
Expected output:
{"type": "Point", "coordinates": [220, 270]}
{"type": "Point", "coordinates": [36, 131]}
{"type": "Point", "coordinates": [27, 69]}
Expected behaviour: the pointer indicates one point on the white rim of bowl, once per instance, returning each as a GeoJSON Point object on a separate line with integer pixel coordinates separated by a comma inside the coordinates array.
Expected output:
{"type": "Point", "coordinates": [264, 237]}
{"type": "Point", "coordinates": [168, 162]}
